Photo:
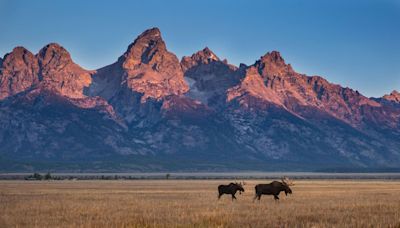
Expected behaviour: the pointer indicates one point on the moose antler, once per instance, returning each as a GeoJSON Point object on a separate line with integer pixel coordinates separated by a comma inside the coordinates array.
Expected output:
{"type": "Point", "coordinates": [287, 181]}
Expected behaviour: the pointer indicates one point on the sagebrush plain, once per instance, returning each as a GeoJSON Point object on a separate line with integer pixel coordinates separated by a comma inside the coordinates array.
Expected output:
{"type": "Point", "coordinates": [193, 203]}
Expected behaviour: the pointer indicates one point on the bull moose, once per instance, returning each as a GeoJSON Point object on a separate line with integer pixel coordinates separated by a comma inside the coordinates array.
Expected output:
{"type": "Point", "coordinates": [230, 189]}
{"type": "Point", "coordinates": [274, 188]}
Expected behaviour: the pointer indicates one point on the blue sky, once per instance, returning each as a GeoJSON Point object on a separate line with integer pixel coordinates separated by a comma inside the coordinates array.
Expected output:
{"type": "Point", "coordinates": [352, 43]}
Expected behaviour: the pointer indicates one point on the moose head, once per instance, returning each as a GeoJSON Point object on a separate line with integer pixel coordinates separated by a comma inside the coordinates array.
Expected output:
{"type": "Point", "coordinates": [240, 186]}
{"type": "Point", "coordinates": [286, 183]}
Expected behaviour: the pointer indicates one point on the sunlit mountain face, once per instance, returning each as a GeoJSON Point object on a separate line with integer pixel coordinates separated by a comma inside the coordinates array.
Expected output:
{"type": "Point", "coordinates": [150, 111]}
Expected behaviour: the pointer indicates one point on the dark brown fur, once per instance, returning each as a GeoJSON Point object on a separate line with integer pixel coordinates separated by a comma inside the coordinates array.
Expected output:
{"type": "Point", "coordinates": [273, 188]}
{"type": "Point", "coordinates": [230, 189]}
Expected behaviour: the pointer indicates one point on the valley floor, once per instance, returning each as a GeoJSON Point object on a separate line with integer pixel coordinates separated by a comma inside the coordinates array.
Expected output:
{"type": "Point", "coordinates": [193, 203]}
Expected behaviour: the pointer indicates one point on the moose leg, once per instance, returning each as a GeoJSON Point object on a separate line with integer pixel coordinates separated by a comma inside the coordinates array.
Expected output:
{"type": "Point", "coordinates": [233, 197]}
{"type": "Point", "coordinates": [219, 195]}
{"type": "Point", "coordinates": [276, 197]}
{"type": "Point", "coordinates": [257, 196]}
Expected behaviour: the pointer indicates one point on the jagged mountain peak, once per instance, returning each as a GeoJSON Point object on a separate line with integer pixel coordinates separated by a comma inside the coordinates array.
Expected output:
{"type": "Point", "coordinates": [273, 56]}
{"type": "Point", "coordinates": [18, 72]}
{"type": "Point", "coordinates": [58, 72]}
{"type": "Point", "coordinates": [206, 53]}
{"type": "Point", "coordinates": [51, 69]}
{"type": "Point", "coordinates": [272, 64]}
{"type": "Point", "coordinates": [209, 77]}
{"type": "Point", "coordinates": [147, 48]}
{"type": "Point", "coordinates": [53, 54]}
{"type": "Point", "coordinates": [393, 96]}
{"type": "Point", "coordinates": [18, 53]}
{"type": "Point", "coordinates": [18, 50]}
{"type": "Point", "coordinates": [151, 32]}
{"type": "Point", "coordinates": [204, 56]}
{"type": "Point", "coordinates": [53, 46]}
{"type": "Point", "coordinates": [147, 69]}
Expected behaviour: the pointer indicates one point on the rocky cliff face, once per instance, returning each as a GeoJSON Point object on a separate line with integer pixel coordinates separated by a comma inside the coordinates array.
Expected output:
{"type": "Point", "coordinates": [144, 75]}
{"type": "Point", "coordinates": [252, 86]}
{"type": "Point", "coordinates": [299, 93]}
{"type": "Point", "coordinates": [18, 72]}
{"type": "Point", "coordinates": [393, 96]}
{"type": "Point", "coordinates": [209, 77]}
{"type": "Point", "coordinates": [148, 111]}
{"type": "Point", "coordinates": [51, 69]}
{"type": "Point", "coordinates": [150, 69]}
{"type": "Point", "coordinates": [37, 81]}
{"type": "Point", "coordinates": [60, 74]}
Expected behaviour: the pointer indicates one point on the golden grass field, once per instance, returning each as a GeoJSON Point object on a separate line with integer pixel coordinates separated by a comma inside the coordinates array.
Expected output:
{"type": "Point", "coordinates": [193, 203]}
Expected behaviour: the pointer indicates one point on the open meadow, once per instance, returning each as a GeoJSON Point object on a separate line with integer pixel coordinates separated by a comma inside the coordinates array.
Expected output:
{"type": "Point", "coordinates": [193, 203]}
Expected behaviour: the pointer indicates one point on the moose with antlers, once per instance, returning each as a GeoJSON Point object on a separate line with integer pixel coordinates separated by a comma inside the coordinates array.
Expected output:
{"type": "Point", "coordinates": [230, 189]}
{"type": "Point", "coordinates": [274, 188]}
